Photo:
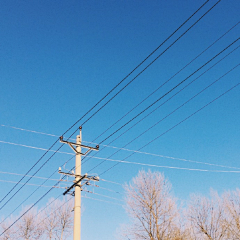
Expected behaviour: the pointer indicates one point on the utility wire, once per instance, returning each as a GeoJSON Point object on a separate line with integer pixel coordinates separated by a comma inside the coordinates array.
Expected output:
{"type": "Point", "coordinates": [52, 211]}
{"type": "Point", "coordinates": [141, 134]}
{"type": "Point", "coordinates": [108, 94]}
{"type": "Point", "coordinates": [169, 91]}
{"type": "Point", "coordinates": [108, 101]}
{"type": "Point", "coordinates": [38, 148]}
{"type": "Point", "coordinates": [129, 150]}
{"type": "Point", "coordinates": [92, 142]}
{"type": "Point", "coordinates": [189, 63]}
{"type": "Point", "coordinates": [177, 124]}
{"type": "Point", "coordinates": [172, 112]}
{"type": "Point", "coordinates": [28, 209]}
{"type": "Point", "coordinates": [160, 166]}
{"type": "Point", "coordinates": [166, 95]}
{"type": "Point", "coordinates": [151, 62]}
{"type": "Point", "coordinates": [19, 174]}
{"type": "Point", "coordinates": [33, 192]}
{"type": "Point", "coordinates": [102, 200]}
{"type": "Point", "coordinates": [28, 172]}
{"type": "Point", "coordinates": [30, 184]}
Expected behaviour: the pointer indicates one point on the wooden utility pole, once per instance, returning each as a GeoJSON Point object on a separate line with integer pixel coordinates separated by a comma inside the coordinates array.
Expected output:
{"type": "Point", "coordinates": [78, 182]}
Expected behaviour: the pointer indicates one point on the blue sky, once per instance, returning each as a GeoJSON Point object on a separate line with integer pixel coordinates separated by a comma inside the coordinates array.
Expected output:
{"type": "Point", "coordinates": [60, 57]}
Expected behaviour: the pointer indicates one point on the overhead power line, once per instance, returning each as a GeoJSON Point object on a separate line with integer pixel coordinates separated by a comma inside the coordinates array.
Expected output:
{"type": "Point", "coordinates": [30, 184]}
{"type": "Point", "coordinates": [129, 150]}
{"type": "Point", "coordinates": [180, 83]}
{"type": "Point", "coordinates": [189, 63]}
{"type": "Point", "coordinates": [151, 63]}
{"type": "Point", "coordinates": [58, 181]}
{"type": "Point", "coordinates": [166, 100]}
{"type": "Point", "coordinates": [190, 100]}
{"type": "Point", "coordinates": [19, 174]}
{"type": "Point", "coordinates": [98, 110]}
{"type": "Point", "coordinates": [162, 166]}
{"type": "Point", "coordinates": [185, 119]}
{"type": "Point", "coordinates": [113, 96]}
{"type": "Point", "coordinates": [137, 68]}
{"type": "Point", "coordinates": [28, 173]}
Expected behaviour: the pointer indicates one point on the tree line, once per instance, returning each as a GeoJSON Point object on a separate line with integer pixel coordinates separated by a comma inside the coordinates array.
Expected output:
{"type": "Point", "coordinates": [55, 221]}
{"type": "Point", "coordinates": [155, 214]}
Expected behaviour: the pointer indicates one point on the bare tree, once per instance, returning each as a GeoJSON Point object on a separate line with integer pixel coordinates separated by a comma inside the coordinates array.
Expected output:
{"type": "Point", "coordinates": [232, 210]}
{"type": "Point", "coordinates": [64, 218]}
{"type": "Point", "coordinates": [50, 221]}
{"type": "Point", "coordinates": [207, 217]}
{"type": "Point", "coordinates": [28, 227]}
{"type": "Point", "coordinates": [58, 219]}
{"type": "Point", "coordinates": [8, 234]}
{"type": "Point", "coordinates": [151, 207]}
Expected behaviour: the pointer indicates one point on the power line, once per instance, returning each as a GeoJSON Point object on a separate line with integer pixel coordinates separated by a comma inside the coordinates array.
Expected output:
{"type": "Point", "coordinates": [125, 114]}
{"type": "Point", "coordinates": [114, 95]}
{"type": "Point", "coordinates": [162, 166]}
{"type": "Point", "coordinates": [178, 124]}
{"type": "Point", "coordinates": [189, 63]}
{"type": "Point", "coordinates": [104, 180]}
{"type": "Point", "coordinates": [28, 172]}
{"type": "Point", "coordinates": [107, 189]}
{"type": "Point", "coordinates": [125, 149]}
{"type": "Point", "coordinates": [102, 200]}
{"type": "Point", "coordinates": [166, 100]}
{"type": "Point", "coordinates": [183, 105]}
{"type": "Point", "coordinates": [37, 148]}
{"type": "Point", "coordinates": [28, 209]}
{"type": "Point", "coordinates": [30, 184]}
{"type": "Point", "coordinates": [52, 211]}
{"type": "Point", "coordinates": [33, 191]}
{"type": "Point", "coordinates": [171, 128]}
{"type": "Point", "coordinates": [219, 1]}
{"type": "Point", "coordinates": [102, 195]}
{"type": "Point", "coordinates": [27, 130]}
{"type": "Point", "coordinates": [19, 174]}
{"type": "Point", "coordinates": [170, 91]}
{"type": "Point", "coordinates": [151, 62]}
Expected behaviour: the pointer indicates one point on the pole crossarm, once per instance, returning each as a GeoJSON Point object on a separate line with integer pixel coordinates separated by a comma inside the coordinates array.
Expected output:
{"type": "Point", "coordinates": [72, 144]}
{"type": "Point", "coordinates": [84, 177]}
{"type": "Point", "coordinates": [75, 184]}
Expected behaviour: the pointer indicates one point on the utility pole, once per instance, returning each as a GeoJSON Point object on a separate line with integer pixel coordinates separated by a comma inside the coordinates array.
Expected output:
{"type": "Point", "coordinates": [78, 182]}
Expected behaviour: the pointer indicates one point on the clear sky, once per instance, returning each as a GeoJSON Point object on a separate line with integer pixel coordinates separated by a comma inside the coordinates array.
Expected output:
{"type": "Point", "coordinates": [58, 58]}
